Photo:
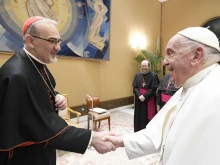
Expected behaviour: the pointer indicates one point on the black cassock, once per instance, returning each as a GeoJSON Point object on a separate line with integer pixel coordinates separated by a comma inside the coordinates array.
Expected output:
{"type": "Point", "coordinates": [143, 82]}
{"type": "Point", "coordinates": [165, 90]}
{"type": "Point", "coordinates": [30, 128]}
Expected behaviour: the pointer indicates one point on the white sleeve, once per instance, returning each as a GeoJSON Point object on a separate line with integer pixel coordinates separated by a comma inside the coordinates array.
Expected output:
{"type": "Point", "coordinates": [90, 141]}
{"type": "Point", "coordinates": [138, 144]}
{"type": "Point", "coordinates": [148, 140]}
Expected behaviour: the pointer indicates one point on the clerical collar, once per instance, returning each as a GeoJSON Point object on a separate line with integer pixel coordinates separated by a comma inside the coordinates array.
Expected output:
{"type": "Point", "coordinates": [145, 73]}
{"type": "Point", "coordinates": [198, 76]}
{"type": "Point", "coordinates": [32, 56]}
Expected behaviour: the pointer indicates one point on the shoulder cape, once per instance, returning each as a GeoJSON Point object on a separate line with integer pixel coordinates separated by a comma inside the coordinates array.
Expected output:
{"type": "Point", "coordinates": [26, 115]}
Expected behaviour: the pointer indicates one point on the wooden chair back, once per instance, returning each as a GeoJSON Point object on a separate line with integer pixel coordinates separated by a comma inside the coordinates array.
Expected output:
{"type": "Point", "coordinates": [96, 103]}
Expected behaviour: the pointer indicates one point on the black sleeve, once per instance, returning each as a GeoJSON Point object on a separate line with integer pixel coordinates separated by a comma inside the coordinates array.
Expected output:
{"type": "Point", "coordinates": [136, 92]}
{"type": "Point", "coordinates": [72, 139]}
{"type": "Point", "coordinates": [158, 100]}
{"type": "Point", "coordinates": [149, 94]}
{"type": "Point", "coordinates": [135, 86]}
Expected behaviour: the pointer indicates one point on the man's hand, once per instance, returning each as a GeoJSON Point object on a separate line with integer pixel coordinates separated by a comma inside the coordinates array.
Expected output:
{"type": "Point", "coordinates": [116, 140]}
{"type": "Point", "coordinates": [60, 102]}
{"type": "Point", "coordinates": [158, 108]}
{"type": "Point", "coordinates": [141, 97]}
{"type": "Point", "coordinates": [100, 145]}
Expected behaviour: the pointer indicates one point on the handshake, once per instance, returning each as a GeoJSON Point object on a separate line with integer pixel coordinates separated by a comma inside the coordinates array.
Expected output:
{"type": "Point", "coordinates": [105, 142]}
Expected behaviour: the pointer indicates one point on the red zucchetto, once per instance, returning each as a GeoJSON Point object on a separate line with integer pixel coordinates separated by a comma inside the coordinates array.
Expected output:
{"type": "Point", "coordinates": [29, 21]}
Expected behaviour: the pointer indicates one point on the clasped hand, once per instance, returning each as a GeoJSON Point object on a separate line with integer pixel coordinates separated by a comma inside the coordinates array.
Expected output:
{"type": "Point", "coordinates": [141, 98]}
{"type": "Point", "coordinates": [105, 142]}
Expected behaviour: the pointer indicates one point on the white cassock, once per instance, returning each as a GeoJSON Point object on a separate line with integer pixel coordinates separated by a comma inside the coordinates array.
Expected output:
{"type": "Point", "coordinates": [187, 127]}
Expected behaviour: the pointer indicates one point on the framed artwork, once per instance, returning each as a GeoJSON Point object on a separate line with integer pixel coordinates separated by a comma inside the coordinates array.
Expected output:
{"type": "Point", "coordinates": [214, 25]}
{"type": "Point", "coordinates": [84, 25]}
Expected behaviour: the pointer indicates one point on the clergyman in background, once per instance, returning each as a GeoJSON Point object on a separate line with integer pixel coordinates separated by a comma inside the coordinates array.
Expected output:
{"type": "Point", "coordinates": [144, 88]}
{"type": "Point", "coordinates": [165, 91]}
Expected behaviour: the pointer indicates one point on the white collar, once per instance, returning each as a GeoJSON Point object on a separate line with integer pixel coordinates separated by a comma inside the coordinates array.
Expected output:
{"type": "Point", "coordinates": [198, 77]}
{"type": "Point", "coordinates": [27, 52]}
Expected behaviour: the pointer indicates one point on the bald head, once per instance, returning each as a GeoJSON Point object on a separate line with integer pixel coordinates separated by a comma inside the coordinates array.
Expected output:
{"type": "Point", "coordinates": [145, 62]}
{"type": "Point", "coordinates": [145, 66]}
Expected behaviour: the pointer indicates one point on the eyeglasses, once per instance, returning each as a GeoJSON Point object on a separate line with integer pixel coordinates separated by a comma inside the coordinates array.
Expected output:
{"type": "Point", "coordinates": [52, 41]}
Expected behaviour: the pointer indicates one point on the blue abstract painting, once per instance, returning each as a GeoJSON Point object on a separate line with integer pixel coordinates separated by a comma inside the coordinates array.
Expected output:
{"type": "Point", "coordinates": [83, 24]}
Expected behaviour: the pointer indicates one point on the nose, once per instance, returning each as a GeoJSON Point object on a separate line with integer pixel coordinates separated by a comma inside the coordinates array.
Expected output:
{"type": "Point", "coordinates": [165, 62]}
{"type": "Point", "coordinates": [57, 47]}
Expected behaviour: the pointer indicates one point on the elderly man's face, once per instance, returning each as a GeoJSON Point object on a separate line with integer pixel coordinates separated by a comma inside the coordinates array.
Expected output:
{"type": "Point", "coordinates": [177, 61]}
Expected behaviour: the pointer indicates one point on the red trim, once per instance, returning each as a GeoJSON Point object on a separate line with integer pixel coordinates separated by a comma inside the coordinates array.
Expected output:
{"type": "Point", "coordinates": [46, 144]}
{"type": "Point", "coordinates": [10, 153]}
{"type": "Point", "coordinates": [30, 142]}
{"type": "Point", "coordinates": [165, 98]}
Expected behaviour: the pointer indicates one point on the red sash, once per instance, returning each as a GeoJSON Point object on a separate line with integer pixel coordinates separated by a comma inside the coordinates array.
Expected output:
{"type": "Point", "coordinates": [151, 109]}
{"type": "Point", "coordinates": [165, 98]}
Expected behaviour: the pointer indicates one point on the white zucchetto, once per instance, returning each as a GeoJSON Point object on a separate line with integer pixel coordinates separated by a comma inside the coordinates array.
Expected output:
{"type": "Point", "coordinates": [202, 35]}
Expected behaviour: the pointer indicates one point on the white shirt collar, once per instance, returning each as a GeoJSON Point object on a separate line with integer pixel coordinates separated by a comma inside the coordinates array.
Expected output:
{"type": "Point", "coordinates": [198, 77]}
{"type": "Point", "coordinates": [27, 52]}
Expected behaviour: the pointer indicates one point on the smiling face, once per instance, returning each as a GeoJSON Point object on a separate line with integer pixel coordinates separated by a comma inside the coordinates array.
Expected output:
{"type": "Point", "coordinates": [45, 48]}
{"type": "Point", "coordinates": [178, 61]}
{"type": "Point", "coordinates": [144, 66]}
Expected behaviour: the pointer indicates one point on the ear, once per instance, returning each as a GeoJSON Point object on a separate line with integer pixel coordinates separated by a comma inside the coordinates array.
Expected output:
{"type": "Point", "coordinates": [29, 41]}
{"type": "Point", "coordinates": [198, 56]}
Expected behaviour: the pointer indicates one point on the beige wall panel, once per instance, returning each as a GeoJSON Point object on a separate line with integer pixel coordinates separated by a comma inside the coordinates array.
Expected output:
{"type": "Point", "coordinates": [3, 57]}
{"type": "Point", "coordinates": [128, 18]}
{"type": "Point", "coordinates": [180, 14]}
{"type": "Point", "coordinates": [109, 79]}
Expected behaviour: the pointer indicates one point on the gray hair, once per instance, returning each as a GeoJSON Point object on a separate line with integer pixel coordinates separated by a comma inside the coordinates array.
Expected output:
{"type": "Point", "coordinates": [33, 30]}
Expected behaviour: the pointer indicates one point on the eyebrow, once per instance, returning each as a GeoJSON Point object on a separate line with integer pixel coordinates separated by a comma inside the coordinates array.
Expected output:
{"type": "Point", "coordinates": [54, 38]}
{"type": "Point", "coordinates": [169, 49]}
